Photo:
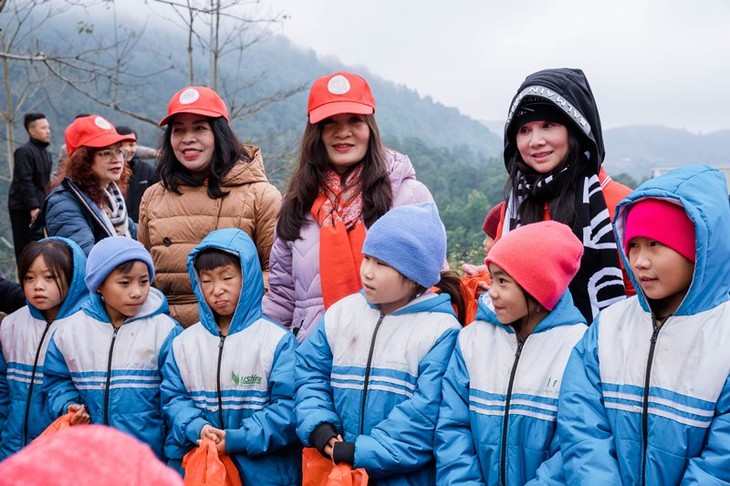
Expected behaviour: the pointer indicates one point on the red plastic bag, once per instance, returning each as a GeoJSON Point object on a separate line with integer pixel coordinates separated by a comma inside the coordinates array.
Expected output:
{"type": "Point", "coordinates": [204, 467]}
{"type": "Point", "coordinates": [60, 423]}
{"type": "Point", "coordinates": [470, 292]}
{"type": "Point", "coordinates": [317, 470]}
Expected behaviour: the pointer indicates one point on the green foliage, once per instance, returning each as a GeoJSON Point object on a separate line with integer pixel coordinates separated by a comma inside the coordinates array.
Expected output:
{"type": "Point", "coordinates": [464, 184]}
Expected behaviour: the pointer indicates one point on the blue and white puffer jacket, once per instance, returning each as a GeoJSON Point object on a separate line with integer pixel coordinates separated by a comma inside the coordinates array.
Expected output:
{"type": "Point", "coordinates": [115, 372]}
{"type": "Point", "coordinates": [242, 383]}
{"type": "Point", "coordinates": [377, 380]}
{"type": "Point", "coordinates": [498, 418]}
{"type": "Point", "coordinates": [24, 337]}
{"type": "Point", "coordinates": [642, 404]}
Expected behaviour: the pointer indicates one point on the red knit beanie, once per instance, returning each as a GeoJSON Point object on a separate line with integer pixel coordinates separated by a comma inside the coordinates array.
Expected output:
{"type": "Point", "coordinates": [542, 258]}
{"type": "Point", "coordinates": [663, 221]}
{"type": "Point", "coordinates": [491, 222]}
{"type": "Point", "coordinates": [86, 455]}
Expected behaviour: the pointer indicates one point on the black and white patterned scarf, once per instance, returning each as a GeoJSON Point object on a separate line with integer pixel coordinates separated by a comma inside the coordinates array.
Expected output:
{"type": "Point", "coordinates": [599, 281]}
{"type": "Point", "coordinates": [117, 210]}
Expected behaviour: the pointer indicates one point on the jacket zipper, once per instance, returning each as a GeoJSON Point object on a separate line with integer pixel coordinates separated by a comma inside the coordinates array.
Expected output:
{"type": "Point", "coordinates": [645, 411]}
{"type": "Point", "coordinates": [107, 392]}
{"type": "Point", "coordinates": [508, 399]}
{"type": "Point", "coordinates": [367, 372]}
{"type": "Point", "coordinates": [32, 382]}
{"type": "Point", "coordinates": [218, 382]}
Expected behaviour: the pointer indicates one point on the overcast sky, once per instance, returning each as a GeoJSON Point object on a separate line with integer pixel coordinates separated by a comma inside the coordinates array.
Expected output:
{"type": "Point", "coordinates": [649, 61]}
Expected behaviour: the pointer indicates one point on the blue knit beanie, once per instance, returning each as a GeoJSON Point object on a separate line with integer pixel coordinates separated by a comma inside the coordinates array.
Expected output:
{"type": "Point", "coordinates": [411, 239]}
{"type": "Point", "coordinates": [111, 252]}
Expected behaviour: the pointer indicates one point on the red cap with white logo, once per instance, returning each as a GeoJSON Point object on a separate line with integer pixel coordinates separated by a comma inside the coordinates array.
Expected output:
{"type": "Point", "coordinates": [339, 93]}
{"type": "Point", "coordinates": [92, 131]}
{"type": "Point", "coordinates": [198, 100]}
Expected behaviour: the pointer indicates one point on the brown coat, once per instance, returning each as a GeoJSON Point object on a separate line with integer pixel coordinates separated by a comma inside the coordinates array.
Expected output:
{"type": "Point", "coordinates": [171, 225]}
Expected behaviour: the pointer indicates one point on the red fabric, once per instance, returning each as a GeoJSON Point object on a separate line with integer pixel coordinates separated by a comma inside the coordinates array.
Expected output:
{"type": "Point", "coordinates": [613, 193]}
{"type": "Point", "coordinates": [491, 221]}
{"type": "Point", "coordinates": [198, 100]}
{"type": "Point", "coordinates": [205, 467]}
{"type": "Point", "coordinates": [86, 455]}
{"type": "Point", "coordinates": [57, 425]}
{"type": "Point", "coordinates": [92, 131]}
{"type": "Point", "coordinates": [338, 210]}
{"type": "Point", "coordinates": [664, 222]}
{"type": "Point", "coordinates": [470, 291]}
{"type": "Point", "coordinates": [317, 470]}
{"type": "Point", "coordinates": [542, 257]}
{"type": "Point", "coordinates": [338, 93]}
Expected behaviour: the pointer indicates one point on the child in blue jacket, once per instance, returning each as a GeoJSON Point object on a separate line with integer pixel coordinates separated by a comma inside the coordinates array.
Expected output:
{"type": "Point", "coordinates": [52, 273]}
{"type": "Point", "coordinates": [230, 377]}
{"type": "Point", "coordinates": [106, 358]}
{"type": "Point", "coordinates": [369, 377]}
{"type": "Point", "coordinates": [498, 418]}
{"type": "Point", "coordinates": [646, 393]}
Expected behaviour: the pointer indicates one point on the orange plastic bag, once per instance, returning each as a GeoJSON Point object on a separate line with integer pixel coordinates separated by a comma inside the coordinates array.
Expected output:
{"type": "Point", "coordinates": [317, 470]}
{"type": "Point", "coordinates": [470, 292]}
{"type": "Point", "coordinates": [204, 467]}
{"type": "Point", "coordinates": [62, 422]}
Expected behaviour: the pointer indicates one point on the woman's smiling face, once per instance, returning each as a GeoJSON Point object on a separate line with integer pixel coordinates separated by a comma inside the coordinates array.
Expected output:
{"type": "Point", "coordinates": [193, 142]}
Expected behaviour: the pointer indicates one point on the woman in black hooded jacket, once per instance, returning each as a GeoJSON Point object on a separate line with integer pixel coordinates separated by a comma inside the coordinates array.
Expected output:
{"type": "Point", "coordinates": [553, 152]}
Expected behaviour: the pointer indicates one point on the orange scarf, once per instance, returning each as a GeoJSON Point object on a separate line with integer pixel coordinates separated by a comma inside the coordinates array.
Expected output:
{"type": "Point", "coordinates": [338, 210]}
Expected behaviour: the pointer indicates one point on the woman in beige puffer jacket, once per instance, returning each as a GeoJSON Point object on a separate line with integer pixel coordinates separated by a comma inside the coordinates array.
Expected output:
{"type": "Point", "coordinates": [208, 181]}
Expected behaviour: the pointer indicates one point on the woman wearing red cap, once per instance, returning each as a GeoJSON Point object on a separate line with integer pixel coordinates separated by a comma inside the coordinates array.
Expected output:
{"type": "Point", "coordinates": [345, 180]}
{"type": "Point", "coordinates": [88, 203]}
{"type": "Point", "coordinates": [208, 180]}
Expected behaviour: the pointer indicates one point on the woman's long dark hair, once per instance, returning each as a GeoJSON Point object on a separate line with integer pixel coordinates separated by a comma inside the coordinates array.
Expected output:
{"type": "Point", "coordinates": [78, 168]}
{"type": "Point", "coordinates": [227, 152]}
{"type": "Point", "coordinates": [561, 201]}
{"type": "Point", "coordinates": [304, 184]}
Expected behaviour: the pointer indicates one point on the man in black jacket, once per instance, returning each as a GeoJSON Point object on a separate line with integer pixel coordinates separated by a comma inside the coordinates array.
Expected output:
{"type": "Point", "coordinates": [31, 173]}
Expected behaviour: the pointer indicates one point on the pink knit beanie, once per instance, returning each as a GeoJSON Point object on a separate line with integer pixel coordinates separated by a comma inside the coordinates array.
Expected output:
{"type": "Point", "coordinates": [542, 258]}
{"type": "Point", "coordinates": [86, 455]}
{"type": "Point", "coordinates": [662, 221]}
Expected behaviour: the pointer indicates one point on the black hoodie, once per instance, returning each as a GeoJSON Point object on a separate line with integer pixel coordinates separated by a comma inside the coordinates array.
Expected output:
{"type": "Point", "coordinates": [569, 90]}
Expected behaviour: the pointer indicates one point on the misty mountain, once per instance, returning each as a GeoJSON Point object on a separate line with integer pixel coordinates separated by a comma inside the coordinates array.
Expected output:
{"type": "Point", "coordinates": [638, 150]}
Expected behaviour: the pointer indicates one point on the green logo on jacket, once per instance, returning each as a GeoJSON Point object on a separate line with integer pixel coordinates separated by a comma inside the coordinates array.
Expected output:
{"type": "Point", "coordinates": [249, 380]}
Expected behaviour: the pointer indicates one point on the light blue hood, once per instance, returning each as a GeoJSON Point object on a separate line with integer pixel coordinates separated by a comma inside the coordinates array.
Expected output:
{"type": "Point", "coordinates": [237, 242]}
{"type": "Point", "coordinates": [702, 191]}
{"type": "Point", "coordinates": [77, 291]}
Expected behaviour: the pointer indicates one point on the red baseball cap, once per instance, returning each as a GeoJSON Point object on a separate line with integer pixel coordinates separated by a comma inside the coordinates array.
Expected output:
{"type": "Point", "coordinates": [199, 100]}
{"type": "Point", "coordinates": [338, 93]}
{"type": "Point", "coordinates": [92, 131]}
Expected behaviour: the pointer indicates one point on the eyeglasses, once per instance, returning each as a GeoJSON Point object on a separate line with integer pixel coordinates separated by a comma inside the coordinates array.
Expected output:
{"type": "Point", "coordinates": [112, 154]}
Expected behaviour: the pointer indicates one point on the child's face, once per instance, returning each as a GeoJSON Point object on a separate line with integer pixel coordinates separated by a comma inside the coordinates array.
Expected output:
{"type": "Point", "coordinates": [384, 285]}
{"type": "Point", "coordinates": [44, 289]}
{"type": "Point", "coordinates": [221, 288]}
{"type": "Point", "coordinates": [510, 304]}
{"type": "Point", "coordinates": [125, 291]}
{"type": "Point", "coordinates": [663, 274]}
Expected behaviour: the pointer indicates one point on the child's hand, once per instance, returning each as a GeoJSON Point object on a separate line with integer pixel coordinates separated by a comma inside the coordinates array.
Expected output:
{"type": "Point", "coordinates": [329, 448]}
{"type": "Point", "coordinates": [221, 445]}
{"type": "Point", "coordinates": [80, 416]}
{"type": "Point", "coordinates": [471, 270]}
{"type": "Point", "coordinates": [210, 432]}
